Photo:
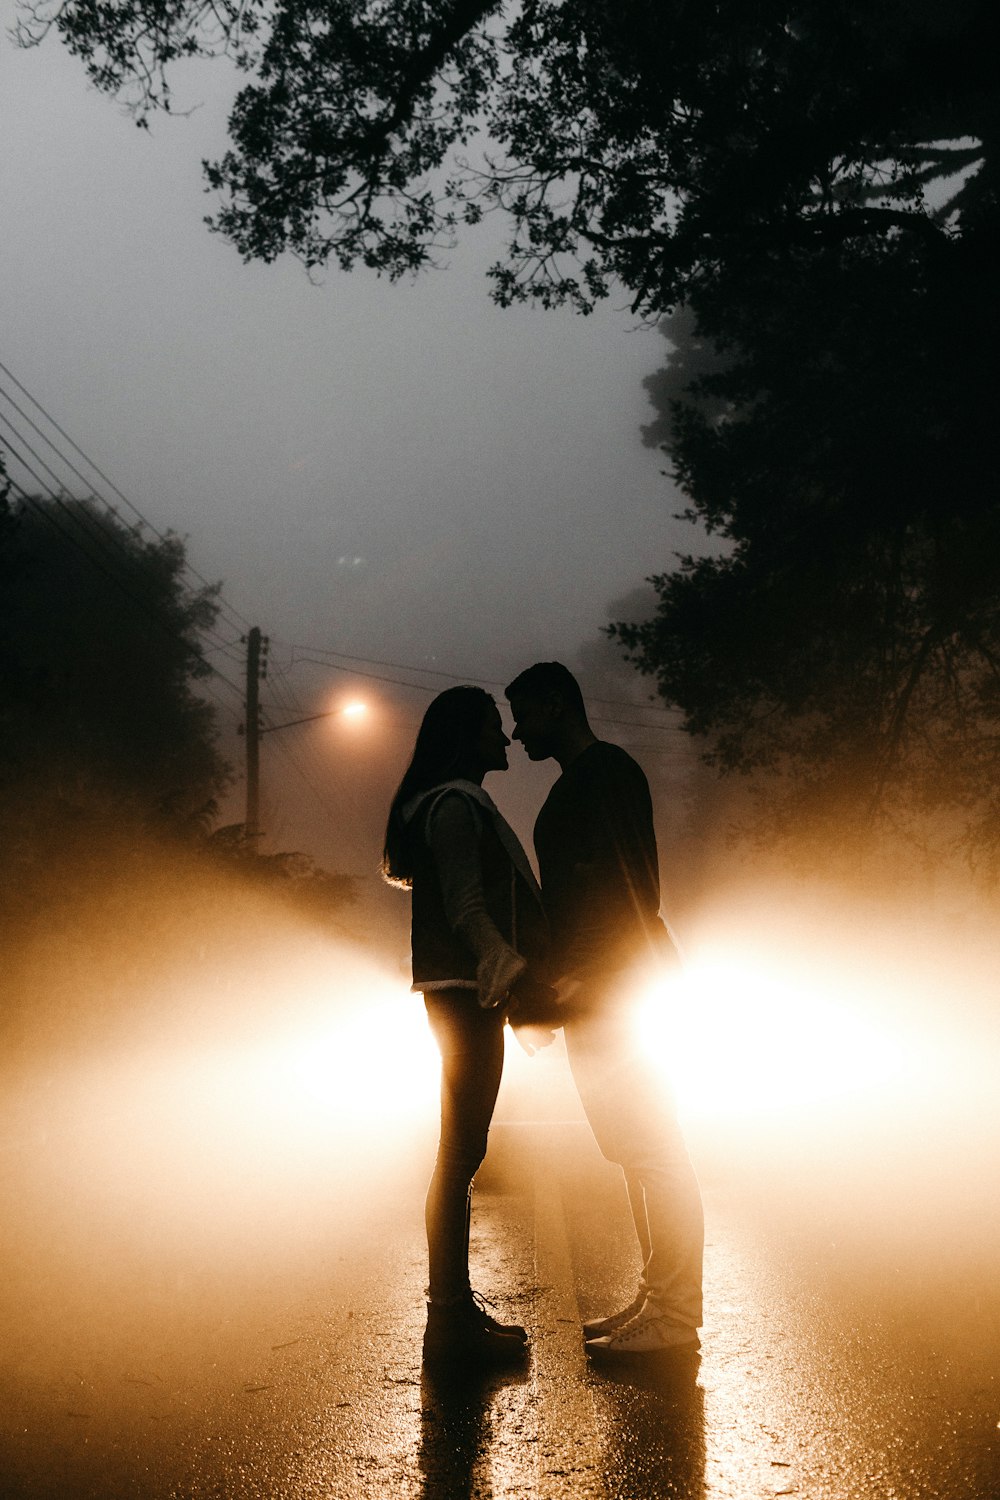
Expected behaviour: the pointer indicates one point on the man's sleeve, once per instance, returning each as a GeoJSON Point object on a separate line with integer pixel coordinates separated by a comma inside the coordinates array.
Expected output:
{"type": "Point", "coordinates": [623, 840]}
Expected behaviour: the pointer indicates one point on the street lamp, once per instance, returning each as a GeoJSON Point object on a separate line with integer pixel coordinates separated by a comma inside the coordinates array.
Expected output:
{"type": "Point", "coordinates": [356, 709]}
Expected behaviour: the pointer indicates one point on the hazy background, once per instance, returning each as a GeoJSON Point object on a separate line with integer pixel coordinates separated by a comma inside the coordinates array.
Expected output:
{"type": "Point", "coordinates": [401, 485]}
{"type": "Point", "coordinates": [402, 473]}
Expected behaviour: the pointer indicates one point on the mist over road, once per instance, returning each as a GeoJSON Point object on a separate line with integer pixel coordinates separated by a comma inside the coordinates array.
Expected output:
{"type": "Point", "coordinates": [270, 1345]}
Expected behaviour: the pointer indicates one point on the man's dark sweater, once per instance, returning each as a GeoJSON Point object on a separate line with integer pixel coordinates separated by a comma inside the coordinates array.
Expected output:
{"type": "Point", "coordinates": [597, 861]}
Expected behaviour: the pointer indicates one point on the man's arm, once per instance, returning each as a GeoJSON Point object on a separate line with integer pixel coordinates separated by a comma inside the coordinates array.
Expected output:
{"type": "Point", "coordinates": [616, 877]}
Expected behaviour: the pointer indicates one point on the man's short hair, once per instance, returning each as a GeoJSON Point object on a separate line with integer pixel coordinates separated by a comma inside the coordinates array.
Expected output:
{"type": "Point", "coordinates": [545, 678]}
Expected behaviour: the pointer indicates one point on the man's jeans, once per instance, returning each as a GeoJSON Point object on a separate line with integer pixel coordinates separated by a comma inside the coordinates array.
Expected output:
{"type": "Point", "coordinates": [635, 1125]}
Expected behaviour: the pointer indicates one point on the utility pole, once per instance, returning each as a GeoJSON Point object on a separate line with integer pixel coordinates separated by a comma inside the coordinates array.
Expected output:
{"type": "Point", "coordinates": [256, 645]}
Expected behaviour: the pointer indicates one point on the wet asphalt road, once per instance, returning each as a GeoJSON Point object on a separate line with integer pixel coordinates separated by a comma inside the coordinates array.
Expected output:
{"type": "Point", "coordinates": [851, 1348]}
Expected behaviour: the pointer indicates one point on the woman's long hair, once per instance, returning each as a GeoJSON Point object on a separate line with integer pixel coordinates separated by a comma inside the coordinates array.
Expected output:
{"type": "Point", "coordinates": [445, 741]}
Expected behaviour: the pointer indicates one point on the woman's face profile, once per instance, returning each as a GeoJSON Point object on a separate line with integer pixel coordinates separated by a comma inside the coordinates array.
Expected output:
{"type": "Point", "coordinates": [491, 746]}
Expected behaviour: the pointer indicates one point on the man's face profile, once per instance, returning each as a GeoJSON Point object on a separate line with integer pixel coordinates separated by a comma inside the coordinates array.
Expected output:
{"type": "Point", "coordinates": [535, 722]}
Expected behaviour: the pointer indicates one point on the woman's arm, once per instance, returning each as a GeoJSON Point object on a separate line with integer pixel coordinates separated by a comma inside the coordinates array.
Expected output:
{"type": "Point", "coordinates": [453, 835]}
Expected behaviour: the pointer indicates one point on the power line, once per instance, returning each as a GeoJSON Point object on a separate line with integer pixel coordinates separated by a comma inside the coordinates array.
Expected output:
{"type": "Point", "coordinates": [96, 527]}
{"type": "Point", "coordinates": [96, 521]}
{"type": "Point", "coordinates": [315, 775]}
{"type": "Point", "coordinates": [203, 685]}
{"type": "Point", "coordinates": [36, 456]}
{"type": "Point", "coordinates": [85, 533]}
{"type": "Point", "coordinates": [93, 532]}
{"type": "Point", "coordinates": [140, 517]}
{"type": "Point", "coordinates": [422, 687]}
{"type": "Point", "coordinates": [322, 651]}
{"type": "Point", "coordinates": [324, 769]}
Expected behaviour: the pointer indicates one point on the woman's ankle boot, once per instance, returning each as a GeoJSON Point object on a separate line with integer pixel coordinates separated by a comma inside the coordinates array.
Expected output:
{"type": "Point", "coordinates": [456, 1331]}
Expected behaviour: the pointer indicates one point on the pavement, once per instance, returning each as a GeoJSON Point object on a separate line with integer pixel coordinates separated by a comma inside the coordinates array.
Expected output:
{"type": "Point", "coordinates": [850, 1352]}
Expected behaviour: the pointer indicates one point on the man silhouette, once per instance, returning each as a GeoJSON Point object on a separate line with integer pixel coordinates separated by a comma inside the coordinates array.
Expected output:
{"type": "Point", "coordinates": [597, 860]}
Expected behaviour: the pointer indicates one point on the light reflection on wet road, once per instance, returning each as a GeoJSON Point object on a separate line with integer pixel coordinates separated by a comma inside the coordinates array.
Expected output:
{"type": "Point", "coordinates": [840, 1361]}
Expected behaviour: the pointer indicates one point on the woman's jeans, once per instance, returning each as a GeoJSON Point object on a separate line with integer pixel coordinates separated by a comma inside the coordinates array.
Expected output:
{"type": "Point", "coordinates": [470, 1041]}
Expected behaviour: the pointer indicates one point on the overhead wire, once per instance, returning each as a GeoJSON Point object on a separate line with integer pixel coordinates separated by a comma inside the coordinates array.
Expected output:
{"type": "Point", "coordinates": [324, 651]}
{"type": "Point", "coordinates": [77, 539]}
{"type": "Point", "coordinates": [94, 533]}
{"type": "Point", "coordinates": [422, 687]}
{"type": "Point", "coordinates": [307, 766]}
{"type": "Point", "coordinates": [91, 464]}
{"type": "Point", "coordinates": [110, 538]}
{"type": "Point", "coordinates": [36, 456]}
{"type": "Point", "coordinates": [99, 529]}
{"type": "Point", "coordinates": [325, 770]}
{"type": "Point", "coordinates": [320, 797]}
{"type": "Point", "coordinates": [361, 663]}
{"type": "Point", "coordinates": [204, 685]}
{"type": "Point", "coordinates": [106, 538]}
{"type": "Point", "coordinates": [674, 753]}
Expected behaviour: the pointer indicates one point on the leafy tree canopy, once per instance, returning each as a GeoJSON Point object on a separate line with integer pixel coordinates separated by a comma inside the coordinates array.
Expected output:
{"type": "Point", "coordinates": [846, 636]}
{"type": "Point", "coordinates": [649, 142]}
{"type": "Point", "coordinates": [817, 186]}
{"type": "Point", "coordinates": [100, 656]}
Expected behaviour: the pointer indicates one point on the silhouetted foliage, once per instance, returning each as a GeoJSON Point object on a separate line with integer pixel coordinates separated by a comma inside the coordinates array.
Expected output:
{"type": "Point", "coordinates": [679, 384]}
{"type": "Point", "coordinates": [817, 186]}
{"type": "Point", "coordinates": [652, 142]}
{"type": "Point", "coordinates": [323, 896]}
{"type": "Point", "coordinates": [100, 722]}
{"type": "Point", "coordinates": [848, 634]}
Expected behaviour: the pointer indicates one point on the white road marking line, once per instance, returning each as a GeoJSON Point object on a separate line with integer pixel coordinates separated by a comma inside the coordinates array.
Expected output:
{"type": "Point", "coordinates": [568, 1432]}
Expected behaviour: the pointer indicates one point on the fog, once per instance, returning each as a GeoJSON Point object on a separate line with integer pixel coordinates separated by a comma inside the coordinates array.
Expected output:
{"type": "Point", "coordinates": [401, 470]}
{"type": "Point", "coordinates": [213, 1107]}
{"type": "Point", "coordinates": [219, 1117]}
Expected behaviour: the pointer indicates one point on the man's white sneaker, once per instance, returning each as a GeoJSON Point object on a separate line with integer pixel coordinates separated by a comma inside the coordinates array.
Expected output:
{"type": "Point", "coordinates": [649, 1332]}
{"type": "Point", "coordinates": [598, 1327]}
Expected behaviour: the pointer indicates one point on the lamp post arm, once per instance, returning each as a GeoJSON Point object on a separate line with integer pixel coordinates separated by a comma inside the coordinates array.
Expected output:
{"type": "Point", "coordinates": [309, 719]}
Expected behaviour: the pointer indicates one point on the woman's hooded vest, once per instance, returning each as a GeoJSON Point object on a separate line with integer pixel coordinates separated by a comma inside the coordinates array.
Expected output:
{"type": "Point", "coordinates": [510, 893]}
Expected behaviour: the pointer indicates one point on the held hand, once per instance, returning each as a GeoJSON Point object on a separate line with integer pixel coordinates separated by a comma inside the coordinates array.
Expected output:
{"type": "Point", "coordinates": [532, 1002]}
{"type": "Point", "coordinates": [533, 1013]}
{"type": "Point", "coordinates": [567, 989]}
{"type": "Point", "coordinates": [532, 1038]}
{"type": "Point", "coordinates": [497, 973]}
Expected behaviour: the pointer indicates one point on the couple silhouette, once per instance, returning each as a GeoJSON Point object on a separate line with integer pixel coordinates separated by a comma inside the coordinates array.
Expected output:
{"type": "Point", "coordinates": [491, 945]}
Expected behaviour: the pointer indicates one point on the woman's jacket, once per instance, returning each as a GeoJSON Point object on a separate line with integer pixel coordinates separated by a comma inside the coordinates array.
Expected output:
{"type": "Point", "coordinates": [476, 904]}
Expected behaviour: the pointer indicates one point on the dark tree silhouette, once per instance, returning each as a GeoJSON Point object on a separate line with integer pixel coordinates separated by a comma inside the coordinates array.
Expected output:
{"type": "Point", "coordinates": [100, 717]}
{"type": "Point", "coordinates": [653, 142]}
{"type": "Point", "coordinates": [679, 383]}
{"type": "Point", "coordinates": [109, 771]}
{"type": "Point", "coordinates": [817, 185]}
{"type": "Point", "coordinates": [847, 633]}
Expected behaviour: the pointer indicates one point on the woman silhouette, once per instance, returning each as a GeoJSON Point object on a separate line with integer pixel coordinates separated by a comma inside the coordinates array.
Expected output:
{"type": "Point", "coordinates": [477, 926]}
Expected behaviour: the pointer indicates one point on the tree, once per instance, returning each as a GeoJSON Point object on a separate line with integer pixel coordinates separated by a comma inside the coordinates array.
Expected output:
{"type": "Point", "coordinates": [656, 143]}
{"type": "Point", "coordinates": [109, 774]}
{"type": "Point", "coordinates": [817, 186]}
{"type": "Point", "coordinates": [100, 718]}
{"type": "Point", "coordinates": [847, 634]}
{"type": "Point", "coordinates": [326, 898]}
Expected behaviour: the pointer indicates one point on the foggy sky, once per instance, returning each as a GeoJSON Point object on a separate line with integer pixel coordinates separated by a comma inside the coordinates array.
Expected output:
{"type": "Point", "coordinates": [401, 472]}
